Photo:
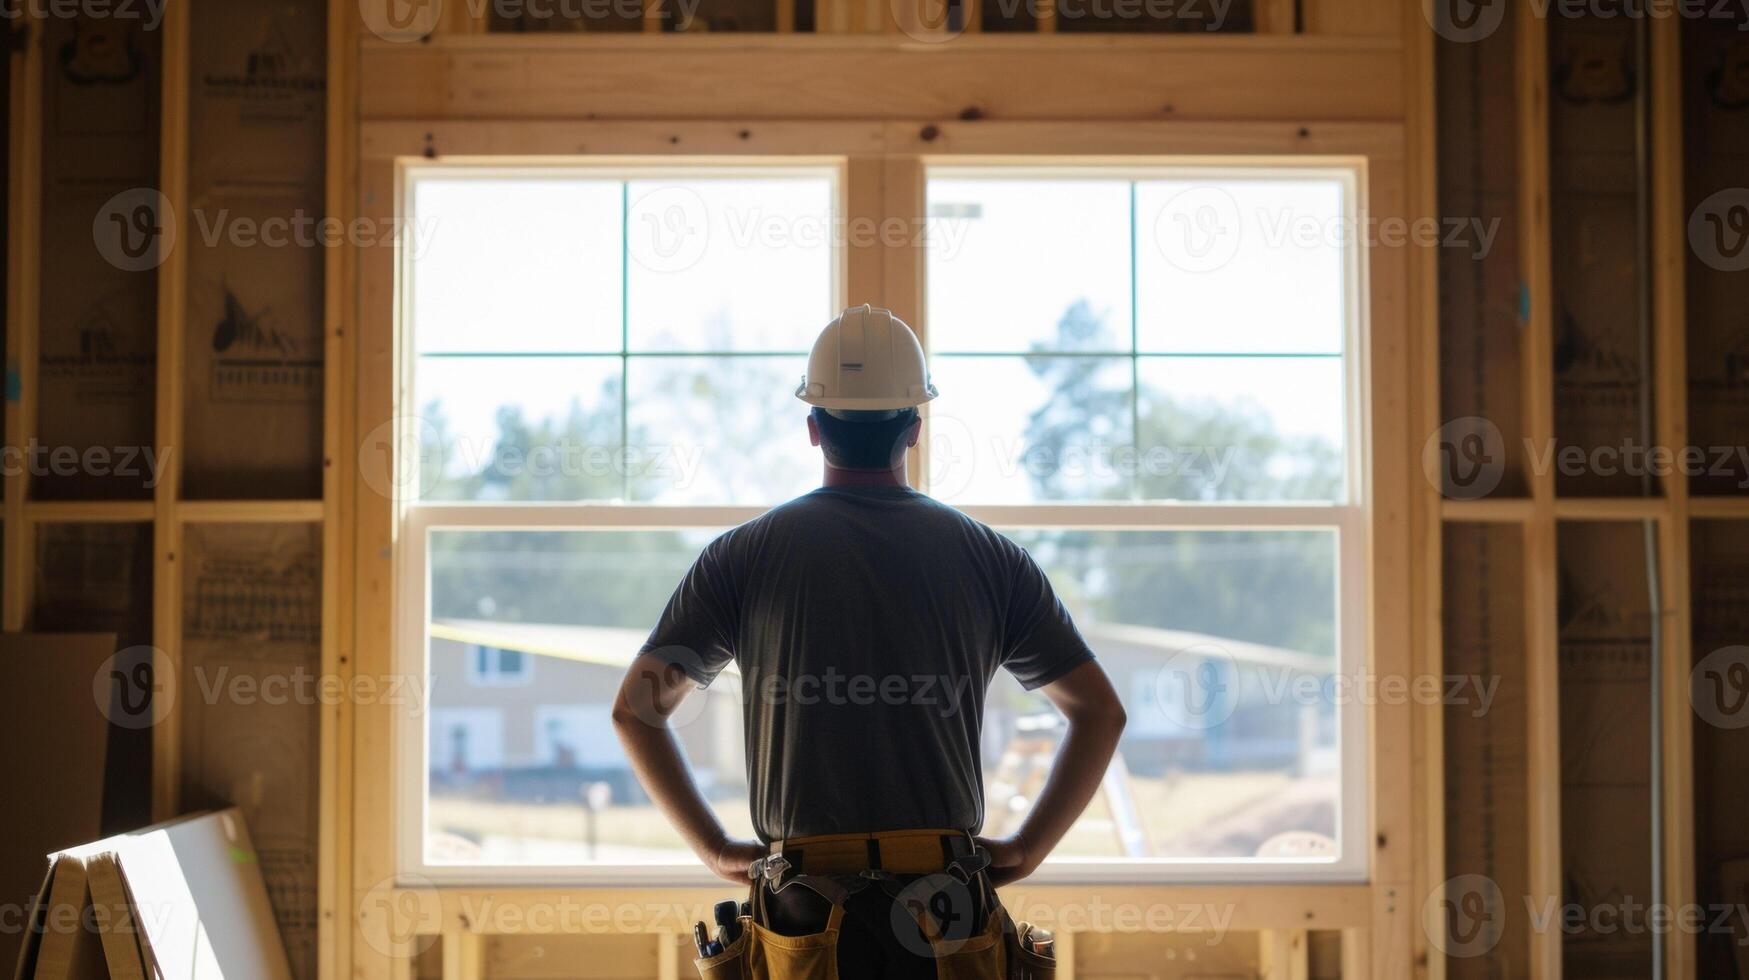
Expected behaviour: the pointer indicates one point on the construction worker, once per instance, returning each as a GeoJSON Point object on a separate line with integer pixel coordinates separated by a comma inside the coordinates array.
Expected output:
{"type": "Point", "coordinates": [866, 621]}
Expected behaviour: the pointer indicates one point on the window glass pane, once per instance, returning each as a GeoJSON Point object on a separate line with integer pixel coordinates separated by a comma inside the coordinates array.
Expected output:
{"type": "Point", "coordinates": [1240, 265]}
{"type": "Point", "coordinates": [719, 430]}
{"type": "Point", "coordinates": [515, 770]}
{"type": "Point", "coordinates": [520, 264]}
{"type": "Point", "coordinates": [1027, 264]}
{"type": "Point", "coordinates": [729, 264]}
{"type": "Point", "coordinates": [1242, 428]}
{"type": "Point", "coordinates": [1231, 749]}
{"type": "Point", "coordinates": [519, 428]}
{"type": "Point", "coordinates": [1015, 430]}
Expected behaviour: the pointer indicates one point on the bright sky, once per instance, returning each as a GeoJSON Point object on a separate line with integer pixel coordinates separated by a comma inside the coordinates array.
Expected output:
{"type": "Point", "coordinates": [531, 265]}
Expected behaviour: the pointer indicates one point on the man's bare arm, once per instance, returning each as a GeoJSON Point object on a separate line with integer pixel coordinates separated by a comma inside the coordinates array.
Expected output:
{"type": "Point", "coordinates": [1096, 719]}
{"type": "Point", "coordinates": [652, 689]}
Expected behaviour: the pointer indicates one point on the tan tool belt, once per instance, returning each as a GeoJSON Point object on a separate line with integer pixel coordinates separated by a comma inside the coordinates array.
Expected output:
{"type": "Point", "coordinates": [997, 953]}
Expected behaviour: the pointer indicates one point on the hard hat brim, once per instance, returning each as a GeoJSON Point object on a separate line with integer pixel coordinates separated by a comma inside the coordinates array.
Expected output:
{"type": "Point", "coordinates": [868, 404]}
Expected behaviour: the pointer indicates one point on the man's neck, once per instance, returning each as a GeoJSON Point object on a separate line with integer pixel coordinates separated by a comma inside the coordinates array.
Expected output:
{"type": "Point", "coordinates": [895, 477]}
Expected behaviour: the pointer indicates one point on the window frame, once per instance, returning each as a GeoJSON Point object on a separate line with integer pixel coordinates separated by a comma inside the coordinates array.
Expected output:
{"type": "Point", "coordinates": [1351, 518]}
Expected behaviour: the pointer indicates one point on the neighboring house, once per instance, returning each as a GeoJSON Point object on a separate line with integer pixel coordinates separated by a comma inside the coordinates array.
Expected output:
{"type": "Point", "coordinates": [522, 711]}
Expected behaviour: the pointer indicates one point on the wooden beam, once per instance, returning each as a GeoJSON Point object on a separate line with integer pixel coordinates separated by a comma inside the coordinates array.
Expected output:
{"type": "Point", "coordinates": [1669, 250]}
{"type": "Point", "coordinates": [1421, 139]}
{"type": "Point", "coordinates": [88, 511]}
{"type": "Point", "coordinates": [814, 77]}
{"type": "Point", "coordinates": [1488, 510]}
{"type": "Point", "coordinates": [1542, 640]}
{"type": "Point", "coordinates": [250, 511]}
{"type": "Point", "coordinates": [23, 308]}
{"type": "Point", "coordinates": [172, 321]}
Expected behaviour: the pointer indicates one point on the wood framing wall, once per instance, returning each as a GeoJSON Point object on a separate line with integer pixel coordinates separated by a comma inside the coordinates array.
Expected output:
{"type": "Point", "coordinates": [1592, 782]}
{"type": "Point", "coordinates": [262, 546]}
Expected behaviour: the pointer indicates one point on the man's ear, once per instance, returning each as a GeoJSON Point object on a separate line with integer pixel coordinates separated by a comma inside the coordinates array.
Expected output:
{"type": "Point", "coordinates": [813, 430]}
{"type": "Point", "coordinates": [912, 432]}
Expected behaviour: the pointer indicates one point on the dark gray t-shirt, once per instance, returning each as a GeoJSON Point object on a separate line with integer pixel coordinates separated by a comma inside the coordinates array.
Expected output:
{"type": "Point", "coordinates": [867, 624]}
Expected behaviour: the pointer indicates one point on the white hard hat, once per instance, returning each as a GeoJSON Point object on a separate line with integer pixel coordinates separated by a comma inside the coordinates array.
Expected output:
{"type": "Point", "coordinates": [866, 360]}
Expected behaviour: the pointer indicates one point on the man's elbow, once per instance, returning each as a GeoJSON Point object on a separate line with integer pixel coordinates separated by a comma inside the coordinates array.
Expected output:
{"type": "Point", "coordinates": [628, 719]}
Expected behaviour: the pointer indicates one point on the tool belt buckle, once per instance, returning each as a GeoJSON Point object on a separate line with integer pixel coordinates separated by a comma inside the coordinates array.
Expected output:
{"type": "Point", "coordinates": [963, 869]}
{"type": "Point", "coordinates": [771, 867]}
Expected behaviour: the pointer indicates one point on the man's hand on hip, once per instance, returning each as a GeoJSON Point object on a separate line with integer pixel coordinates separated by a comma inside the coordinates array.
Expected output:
{"type": "Point", "coordinates": [732, 858]}
{"type": "Point", "coordinates": [1010, 860]}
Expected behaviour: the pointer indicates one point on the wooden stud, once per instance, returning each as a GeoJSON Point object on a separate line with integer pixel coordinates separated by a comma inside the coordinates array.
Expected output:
{"type": "Point", "coordinates": [23, 309]}
{"type": "Point", "coordinates": [334, 828]}
{"type": "Point", "coordinates": [1669, 250]}
{"type": "Point", "coordinates": [172, 316]}
{"type": "Point", "coordinates": [668, 956]}
{"type": "Point", "coordinates": [1357, 956]}
{"type": "Point", "coordinates": [371, 387]}
{"type": "Point", "coordinates": [1065, 954]}
{"type": "Point", "coordinates": [1428, 793]}
{"type": "Point", "coordinates": [1543, 749]}
{"type": "Point", "coordinates": [464, 954]}
{"type": "Point", "coordinates": [1274, 16]}
{"type": "Point", "coordinates": [1282, 954]}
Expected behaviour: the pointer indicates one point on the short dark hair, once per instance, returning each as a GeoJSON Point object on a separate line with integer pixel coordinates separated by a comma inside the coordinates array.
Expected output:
{"type": "Point", "coordinates": [855, 444]}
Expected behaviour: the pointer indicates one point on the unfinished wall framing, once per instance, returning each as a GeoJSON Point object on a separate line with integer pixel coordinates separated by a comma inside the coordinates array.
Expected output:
{"type": "Point", "coordinates": [1603, 791]}
{"type": "Point", "coordinates": [166, 335]}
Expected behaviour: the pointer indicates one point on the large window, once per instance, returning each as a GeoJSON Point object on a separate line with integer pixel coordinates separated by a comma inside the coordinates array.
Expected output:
{"type": "Point", "coordinates": [1149, 378]}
